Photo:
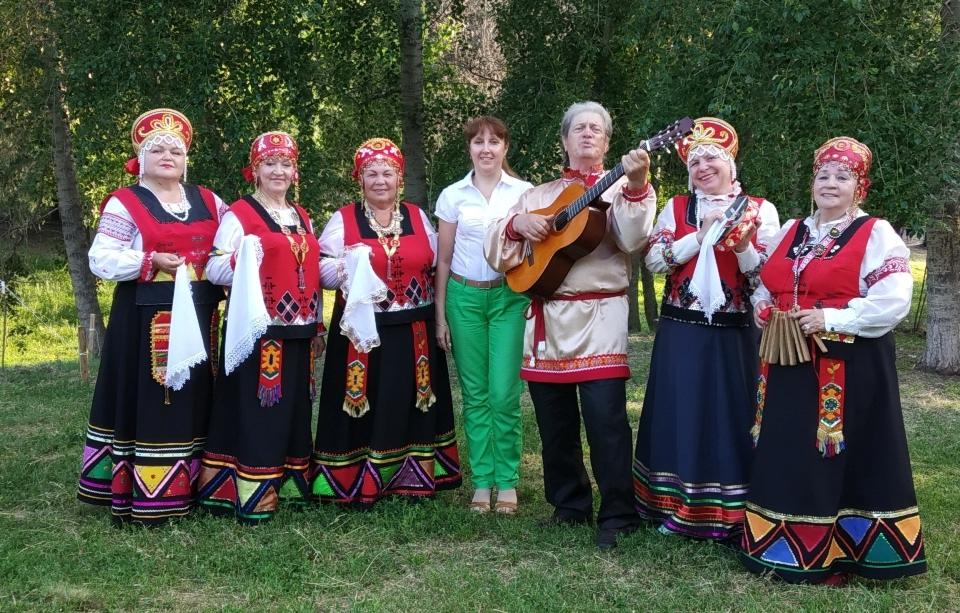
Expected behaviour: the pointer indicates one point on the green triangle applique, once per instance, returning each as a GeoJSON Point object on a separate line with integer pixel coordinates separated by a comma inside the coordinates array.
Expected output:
{"type": "Point", "coordinates": [439, 470]}
{"type": "Point", "coordinates": [290, 489]}
{"type": "Point", "coordinates": [881, 552]}
{"type": "Point", "coordinates": [321, 487]}
{"type": "Point", "coordinates": [102, 469]}
{"type": "Point", "coordinates": [246, 489]}
{"type": "Point", "coordinates": [387, 472]}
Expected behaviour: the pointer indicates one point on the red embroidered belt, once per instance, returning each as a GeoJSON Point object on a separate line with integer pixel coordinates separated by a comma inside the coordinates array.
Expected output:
{"type": "Point", "coordinates": [536, 313]}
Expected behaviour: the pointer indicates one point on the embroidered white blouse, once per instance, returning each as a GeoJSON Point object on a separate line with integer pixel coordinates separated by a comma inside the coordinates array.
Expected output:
{"type": "Point", "coordinates": [463, 204]}
{"type": "Point", "coordinates": [886, 284]}
{"type": "Point", "coordinates": [117, 250]}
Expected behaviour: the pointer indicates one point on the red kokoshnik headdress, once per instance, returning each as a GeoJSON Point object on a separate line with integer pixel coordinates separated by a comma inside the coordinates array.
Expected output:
{"type": "Point", "coordinates": [377, 150]}
{"type": "Point", "coordinates": [272, 145]}
{"type": "Point", "coordinates": [852, 156]}
{"type": "Point", "coordinates": [159, 124]}
{"type": "Point", "coordinates": [709, 131]}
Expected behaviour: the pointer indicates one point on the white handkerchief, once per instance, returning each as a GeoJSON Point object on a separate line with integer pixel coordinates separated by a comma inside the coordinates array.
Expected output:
{"type": "Point", "coordinates": [186, 341]}
{"type": "Point", "coordinates": [705, 283]}
{"type": "Point", "coordinates": [362, 289]}
{"type": "Point", "coordinates": [247, 317]}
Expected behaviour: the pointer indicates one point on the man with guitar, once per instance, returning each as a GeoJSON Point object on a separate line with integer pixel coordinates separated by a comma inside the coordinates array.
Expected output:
{"type": "Point", "coordinates": [576, 337]}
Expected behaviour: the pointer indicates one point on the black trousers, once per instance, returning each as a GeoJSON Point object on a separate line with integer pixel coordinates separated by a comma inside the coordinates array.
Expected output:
{"type": "Point", "coordinates": [603, 405]}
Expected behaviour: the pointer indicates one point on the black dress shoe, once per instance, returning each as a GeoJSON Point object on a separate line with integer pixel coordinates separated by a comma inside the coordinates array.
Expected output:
{"type": "Point", "coordinates": [607, 537]}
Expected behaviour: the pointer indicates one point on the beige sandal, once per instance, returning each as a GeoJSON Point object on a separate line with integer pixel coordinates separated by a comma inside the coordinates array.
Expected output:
{"type": "Point", "coordinates": [505, 507]}
{"type": "Point", "coordinates": [480, 506]}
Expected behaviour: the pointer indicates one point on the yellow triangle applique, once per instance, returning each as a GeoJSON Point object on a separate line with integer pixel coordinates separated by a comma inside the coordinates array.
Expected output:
{"type": "Point", "coordinates": [909, 528]}
{"type": "Point", "coordinates": [834, 553]}
{"type": "Point", "coordinates": [151, 476]}
{"type": "Point", "coordinates": [759, 527]}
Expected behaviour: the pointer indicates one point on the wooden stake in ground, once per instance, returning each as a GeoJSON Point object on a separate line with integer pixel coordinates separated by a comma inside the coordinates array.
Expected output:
{"type": "Point", "coordinates": [82, 353]}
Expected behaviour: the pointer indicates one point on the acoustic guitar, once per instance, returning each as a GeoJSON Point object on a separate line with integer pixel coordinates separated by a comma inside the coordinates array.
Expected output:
{"type": "Point", "coordinates": [578, 226]}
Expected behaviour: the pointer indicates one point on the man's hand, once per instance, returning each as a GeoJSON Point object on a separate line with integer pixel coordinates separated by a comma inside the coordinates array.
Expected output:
{"type": "Point", "coordinates": [636, 164]}
{"type": "Point", "coordinates": [534, 228]}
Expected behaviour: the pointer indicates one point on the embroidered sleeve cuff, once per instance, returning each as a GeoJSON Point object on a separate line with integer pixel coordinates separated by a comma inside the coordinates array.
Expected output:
{"type": "Point", "coordinates": [841, 320]}
{"type": "Point", "coordinates": [636, 195]}
{"type": "Point", "coordinates": [511, 233]}
{"type": "Point", "coordinates": [146, 266]}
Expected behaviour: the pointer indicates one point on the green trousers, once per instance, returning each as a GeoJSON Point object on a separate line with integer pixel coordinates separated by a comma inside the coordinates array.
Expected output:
{"type": "Point", "coordinates": [486, 328]}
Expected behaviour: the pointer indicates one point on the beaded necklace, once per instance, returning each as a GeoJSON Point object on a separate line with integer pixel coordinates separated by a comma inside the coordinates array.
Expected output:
{"type": "Point", "coordinates": [821, 247]}
{"type": "Point", "coordinates": [299, 249]}
{"type": "Point", "coordinates": [389, 235]}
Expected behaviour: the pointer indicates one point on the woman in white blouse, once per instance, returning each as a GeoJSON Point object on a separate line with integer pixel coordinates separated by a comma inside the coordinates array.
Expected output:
{"type": "Point", "coordinates": [831, 489]}
{"type": "Point", "coordinates": [479, 317]}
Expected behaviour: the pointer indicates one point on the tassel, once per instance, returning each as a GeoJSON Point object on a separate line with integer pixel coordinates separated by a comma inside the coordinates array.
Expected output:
{"type": "Point", "coordinates": [761, 401]}
{"type": "Point", "coordinates": [355, 403]}
{"type": "Point", "coordinates": [270, 390]}
{"type": "Point", "coordinates": [421, 360]}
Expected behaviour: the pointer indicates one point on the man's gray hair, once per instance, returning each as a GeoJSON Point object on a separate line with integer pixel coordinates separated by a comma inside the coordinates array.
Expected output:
{"type": "Point", "coordinates": [586, 107]}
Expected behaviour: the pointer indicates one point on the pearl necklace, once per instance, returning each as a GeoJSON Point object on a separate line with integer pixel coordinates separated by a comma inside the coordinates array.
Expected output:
{"type": "Point", "coordinates": [178, 210]}
{"type": "Point", "coordinates": [389, 235]}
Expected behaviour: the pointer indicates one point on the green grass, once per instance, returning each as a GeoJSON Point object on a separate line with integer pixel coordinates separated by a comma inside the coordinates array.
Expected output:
{"type": "Point", "coordinates": [56, 554]}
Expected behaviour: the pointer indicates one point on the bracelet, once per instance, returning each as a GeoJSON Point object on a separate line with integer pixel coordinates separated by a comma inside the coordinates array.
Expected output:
{"type": "Point", "coordinates": [441, 324]}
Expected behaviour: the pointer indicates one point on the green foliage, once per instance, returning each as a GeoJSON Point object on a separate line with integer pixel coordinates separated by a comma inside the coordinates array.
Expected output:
{"type": "Point", "coordinates": [786, 75]}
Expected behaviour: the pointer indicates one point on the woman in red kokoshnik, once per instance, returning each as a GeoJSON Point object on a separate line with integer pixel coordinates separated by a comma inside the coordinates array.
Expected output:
{"type": "Point", "coordinates": [258, 451]}
{"type": "Point", "coordinates": [693, 450]}
{"type": "Point", "coordinates": [146, 433]}
{"type": "Point", "coordinates": [385, 424]}
{"type": "Point", "coordinates": [831, 488]}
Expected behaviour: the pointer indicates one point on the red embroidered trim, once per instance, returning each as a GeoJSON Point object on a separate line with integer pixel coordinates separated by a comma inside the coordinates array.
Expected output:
{"type": "Point", "coordinates": [512, 234]}
{"type": "Point", "coordinates": [116, 227]}
{"type": "Point", "coordinates": [146, 266]}
{"type": "Point", "coordinates": [636, 195]}
{"type": "Point", "coordinates": [890, 266]}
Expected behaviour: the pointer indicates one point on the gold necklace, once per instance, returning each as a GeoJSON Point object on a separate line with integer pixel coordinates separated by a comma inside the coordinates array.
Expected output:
{"type": "Point", "coordinates": [389, 235]}
{"type": "Point", "coordinates": [300, 248]}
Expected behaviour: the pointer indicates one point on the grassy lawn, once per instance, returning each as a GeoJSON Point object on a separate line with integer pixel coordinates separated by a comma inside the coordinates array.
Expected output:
{"type": "Point", "coordinates": [57, 555]}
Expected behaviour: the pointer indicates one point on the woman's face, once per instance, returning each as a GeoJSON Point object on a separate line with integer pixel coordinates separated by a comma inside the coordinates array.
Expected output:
{"type": "Point", "coordinates": [164, 161]}
{"type": "Point", "coordinates": [274, 175]}
{"type": "Point", "coordinates": [834, 188]}
{"type": "Point", "coordinates": [380, 183]}
{"type": "Point", "coordinates": [710, 174]}
{"type": "Point", "coordinates": [487, 151]}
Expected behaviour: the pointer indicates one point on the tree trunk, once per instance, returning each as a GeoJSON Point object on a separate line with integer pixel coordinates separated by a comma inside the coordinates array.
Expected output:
{"type": "Point", "coordinates": [68, 202]}
{"type": "Point", "coordinates": [942, 352]}
{"type": "Point", "coordinates": [411, 99]}
{"type": "Point", "coordinates": [649, 298]}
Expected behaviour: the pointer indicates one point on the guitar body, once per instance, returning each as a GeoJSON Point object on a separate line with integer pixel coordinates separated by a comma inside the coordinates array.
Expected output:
{"type": "Point", "coordinates": [546, 265]}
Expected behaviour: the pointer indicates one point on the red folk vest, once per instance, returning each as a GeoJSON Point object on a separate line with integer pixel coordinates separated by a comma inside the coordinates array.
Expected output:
{"type": "Point", "coordinates": [730, 276]}
{"type": "Point", "coordinates": [160, 231]}
{"type": "Point", "coordinates": [828, 281]}
{"type": "Point", "coordinates": [409, 273]}
{"type": "Point", "coordinates": [286, 303]}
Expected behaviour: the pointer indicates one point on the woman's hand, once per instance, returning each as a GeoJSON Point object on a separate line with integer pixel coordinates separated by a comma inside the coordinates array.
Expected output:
{"type": "Point", "coordinates": [443, 336]}
{"type": "Point", "coordinates": [167, 262]}
{"type": "Point", "coordinates": [811, 321]}
{"type": "Point", "coordinates": [534, 228]}
{"type": "Point", "coordinates": [747, 237]}
{"type": "Point", "coordinates": [319, 345]}
{"type": "Point", "coordinates": [708, 220]}
{"type": "Point", "coordinates": [761, 313]}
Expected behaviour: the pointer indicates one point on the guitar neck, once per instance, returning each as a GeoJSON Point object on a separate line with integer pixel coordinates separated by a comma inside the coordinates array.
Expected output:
{"type": "Point", "coordinates": [599, 187]}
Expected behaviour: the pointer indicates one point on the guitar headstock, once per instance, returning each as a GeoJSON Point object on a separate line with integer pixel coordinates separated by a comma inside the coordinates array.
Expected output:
{"type": "Point", "coordinates": [669, 135]}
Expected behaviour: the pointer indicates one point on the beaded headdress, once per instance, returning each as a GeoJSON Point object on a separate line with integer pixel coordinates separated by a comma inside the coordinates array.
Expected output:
{"type": "Point", "coordinates": [377, 150]}
{"type": "Point", "coordinates": [272, 145]}
{"type": "Point", "coordinates": [157, 126]}
{"type": "Point", "coordinates": [852, 155]}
